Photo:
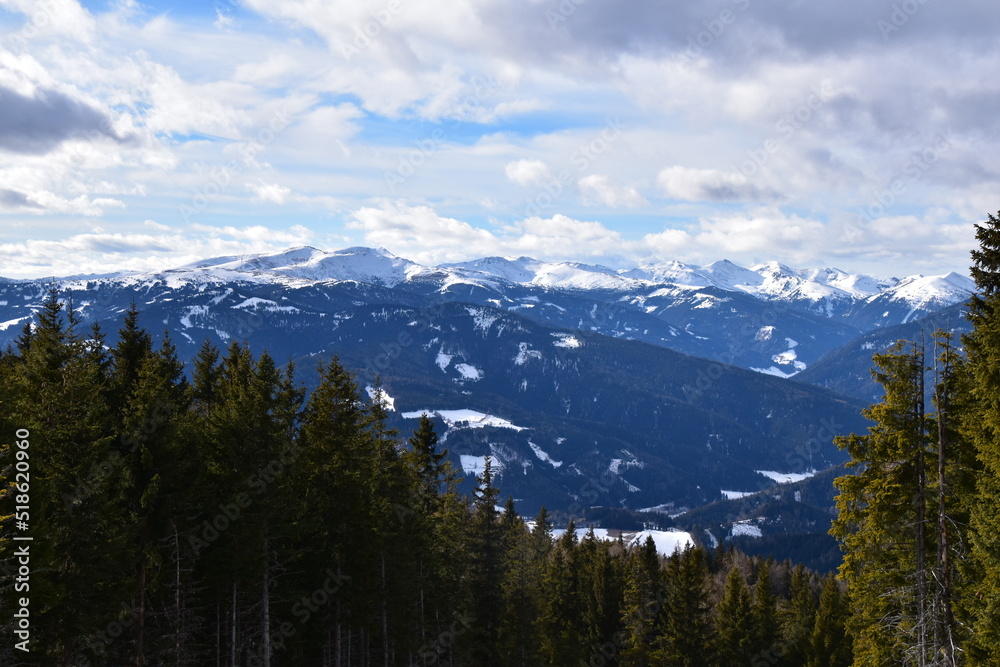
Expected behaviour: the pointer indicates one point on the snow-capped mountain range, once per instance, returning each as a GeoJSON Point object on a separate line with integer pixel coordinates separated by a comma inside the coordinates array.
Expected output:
{"type": "Point", "coordinates": [826, 290]}
{"type": "Point", "coordinates": [664, 386]}
{"type": "Point", "coordinates": [769, 318]}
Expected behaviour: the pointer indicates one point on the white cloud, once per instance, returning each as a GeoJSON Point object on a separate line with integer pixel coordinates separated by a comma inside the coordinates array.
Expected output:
{"type": "Point", "coordinates": [766, 230]}
{"type": "Point", "coordinates": [52, 18]}
{"type": "Point", "coordinates": [103, 252]}
{"type": "Point", "coordinates": [516, 95]}
{"type": "Point", "coordinates": [268, 192]}
{"type": "Point", "coordinates": [528, 172]}
{"type": "Point", "coordinates": [598, 189]}
{"type": "Point", "coordinates": [710, 185]}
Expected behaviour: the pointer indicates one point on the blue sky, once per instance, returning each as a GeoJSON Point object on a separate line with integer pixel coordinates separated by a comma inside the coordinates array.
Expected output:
{"type": "Point", "coordinates": [142, 135]}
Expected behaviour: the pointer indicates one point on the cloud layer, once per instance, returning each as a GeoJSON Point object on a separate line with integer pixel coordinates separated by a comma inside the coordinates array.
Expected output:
{"type": "Point", "coordinates": [858, 134]}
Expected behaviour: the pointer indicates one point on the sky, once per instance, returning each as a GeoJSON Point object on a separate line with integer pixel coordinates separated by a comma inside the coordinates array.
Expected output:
{"type": "Point", "coordinates": [858, 134]}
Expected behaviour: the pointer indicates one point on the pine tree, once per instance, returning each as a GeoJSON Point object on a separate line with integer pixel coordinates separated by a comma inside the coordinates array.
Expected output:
{"type": "Point", "coordinates": [642, 605]}
{"type": "Point", "coordinates": [518, 638]}
{"type": "Point", "coordinates": [57, 394]}
{"type": "Point", "coordinates": [436, 516]}
{"type": "Point", "coordinates": [829, 644]}
{"type": "Point", "coordinates": [798, 616]}
{"type": "Point", "coordinates": [734, 622]}
{"type": "Point", "coordinates": [765, 614]}
{"type": "Point", "coordinates": [329, 470]}
{"type": "Point", "coordinates": [600, 594]}
{"type": "Point", "coordinates": [485, 570]}
{"type": "Point", "coordinates": [981, 423]}
{"type": "Point", "coordinates": [881, 518]}
{"type": "Point", "coordinates": [153, 469]}
{"type": "Point", "coordinates": [561, 615]}
{"type": "Point", "coordinates": [686, 618]}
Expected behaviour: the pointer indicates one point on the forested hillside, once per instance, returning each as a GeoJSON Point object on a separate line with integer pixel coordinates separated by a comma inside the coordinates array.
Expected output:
{"type": "Point", "coordinates": [920, 517]}
{"type": "Point", "coordinates": [222, 516]}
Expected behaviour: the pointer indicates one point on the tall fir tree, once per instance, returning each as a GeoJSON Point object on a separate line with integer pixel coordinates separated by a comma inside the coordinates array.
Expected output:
{"type": "Point", "coordinates": [765, 613]}
{"type": "Point", "coordinates": [642, 605]}
{"type": "Point", "coordinates": [879, 515]}
{"type": "Point", "coordinates": [981, 423]}
{"type": "Point", "coordinates": [57, 394]}
{"type": "Point", "coordinates": [798, 616]}
{"type": "Point", "coordinates": [686, 620]}
{"type": "Point", "coordinates": [485, 570]}
{"type": "Point", "coordinates": [734, 622]}
{"type": "Point", "coordinates": [830, 645]}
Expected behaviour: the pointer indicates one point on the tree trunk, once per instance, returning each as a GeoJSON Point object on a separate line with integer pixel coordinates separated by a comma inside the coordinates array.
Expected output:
{"type": "Point", "coordinates": [266, 610]}
{"type": "Point", "coordinates": [140, 625]}
{"type": "Point", "coordinates": [337, 639]}
{"type": "Point", "coordinates": [232, 632]}
{"type": "Point", "coordinates": [921, 508]}
{"type": "Point", "coordinates": [385, 616]}
{"type": "Point", "coordinates": [178, 630]}
{"type": "Point", "coordinates": [946, 618]}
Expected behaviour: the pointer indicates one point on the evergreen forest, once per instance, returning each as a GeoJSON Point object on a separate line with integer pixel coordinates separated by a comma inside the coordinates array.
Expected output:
{"type": "Point", "coordinates": [223, 515]}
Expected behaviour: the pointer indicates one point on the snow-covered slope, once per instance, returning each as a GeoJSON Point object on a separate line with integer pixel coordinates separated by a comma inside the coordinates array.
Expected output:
{"type": "Point", "coordinates": [292, 266]}
{"type": "Point", "coordinates": [721, 311]}
{"type": "Point", "coordinates": [827, 291]}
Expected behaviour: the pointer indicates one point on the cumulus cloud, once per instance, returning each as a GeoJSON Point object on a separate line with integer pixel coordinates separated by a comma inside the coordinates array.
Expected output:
{"type": "Point", "coordinates": [528, 172]}
{"type": "Point", "coordinates": [762, 234]}
{"type": "Point", "coordinates": [269, 192]}
{"type": "Point", "coordinates": [598, 189]}
{"type": "Point", "coordinates": [103, 252]}
{"type": "Point", "coordinates": [710, 185]}
{"type": "Point", "coordinates": [12, 199]}
{"type": "Point", "coordinates": [38, 123]}
{"type": "Point", "coordinates": [52, 18]}
{"type": "Point", "coordinates": [139, 107]}
{"type": "Point", "coordinates": [420, 233]}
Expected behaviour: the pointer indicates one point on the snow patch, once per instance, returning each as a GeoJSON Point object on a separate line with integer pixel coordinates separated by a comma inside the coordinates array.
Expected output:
{"type": "Point", "coordinates": [667, 541]}
{"type": "Point", "coordinates": [475, 465]}
{"type": "Point", "coordinates": [443, 360]}
{"type": "Point", "coordinates": [617, 464]}
{"type": "Point", "coordinates": [388, 401]}
{"type": "Point", "coordinates": [786, 477]}
{"type": "Point", "coordinates": [468, 372]}
{"type": "Point", "coordinates": [193, 311]}
{"type": "Point", "coordinates": [265, 304]}
{"type": "Point", "coordinates": [482, 319]}
{"type": "Point", "coordinates": [9, 323]}
{"type": "Point", "coordinates": [524, 353]}
{"type": "Point", "coordinates": [543, 456]}
{"type": "Point", "coordinates": [464, 419]}
{"type": "Point", "coordinates": [745, 529]}
{"type": "Point", "coordinates": [736, 495]}
{"type": "Point", "coordinates": [217, 300]}
{"type": "Point", "coordinates": [566, 340]}
{"type": "Point", "coordinates": [773, 370]}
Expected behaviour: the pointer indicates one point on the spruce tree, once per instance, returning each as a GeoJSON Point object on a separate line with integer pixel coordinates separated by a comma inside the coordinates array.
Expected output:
{"type": "Point", "coordinates": [734, 622]}
{"type": "Point", "coordinates": [642, 605]}
{"type": "Point", "coordinates": [560, 619]}
{"type": "Point", "coordinates": [765, 613]}
{"type": "Point", "coordinates": [798, 616]}
{"type": "Point", "coordinates": [829, 645]}
{"type": "Point", "coordinates": [881, 518]}
{"type": "Point", "coordinates": [57, 394]}
{"type": "Point", "coordinates": [486, 560]}
{"type": "Point", "coordinates": [981, 423]}
{"type": "Point", "coordinates": [686, 620]}
{"type": "Point", "coordinates": [520, 589]}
